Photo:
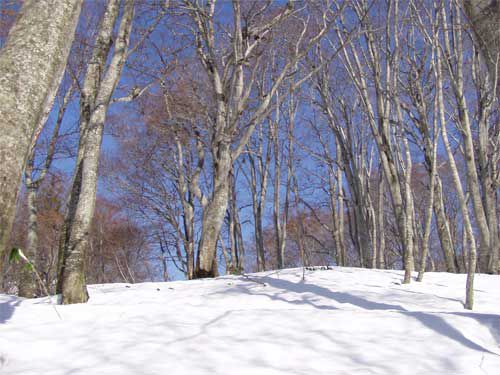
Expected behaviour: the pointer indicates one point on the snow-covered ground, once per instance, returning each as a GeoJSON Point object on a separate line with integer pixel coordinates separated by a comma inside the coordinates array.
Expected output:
{"type": "Point", "coordinates": [340, 321]}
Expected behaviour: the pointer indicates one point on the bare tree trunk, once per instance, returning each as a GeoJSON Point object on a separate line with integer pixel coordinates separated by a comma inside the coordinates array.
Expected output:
{"type": "Point", "coordinates": [301, 232]}
{"type": "Point", "coordinates": [457, 83]}
{"type": "Point", "coordinates": [72, 274]}
{"type": "Point", "coordinates": [32, 63]}
{"type": "Point", "coordinates": [372, 221]}
{"type": "Point", "coordinates": [234, 229]}
{"type": "Point", "coordinates": [281, 217]}
{"type": "Point", "coordinates": [225, 255]}
{"type": "Point", "coordinates": [186, 198]}
{"type": "Point", "coordinates": [259, 172]}
{"type": "Point", "coordinates": [233, 226]}
{"type": "Point", "coordinates": [277, 192]}
{"type": "Point", "coordinates": [427, 230]}
{"type": "Point", "coordinates": [239, 240]}
{"type": "Point", "coordinates": [409, 262]}
{"type": "Point", "coordinates": [468, 232]}
{"type": "Point", "coordinates": [340, 243]}
{"type": "Point", "coordinates": [443, 228]}
{"type": "Point", "coordinates": [213, 213]}
{"type": "Point", "coordinates": [381, 221]}
{"type": "Point", "coordinates": [238, 254]}
{"type": "Point", "coordinates": [292, 111]}
{"type": "Point", "coordinates": [430, 204]}
{"type": "Point", "coordinates": [89, 93]}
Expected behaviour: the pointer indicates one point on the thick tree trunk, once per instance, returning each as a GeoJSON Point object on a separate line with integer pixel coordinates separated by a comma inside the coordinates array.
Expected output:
{"type": "Point", "coordinates": [213, 214]}
{"type": "Point", "coordinates": [32, 63]}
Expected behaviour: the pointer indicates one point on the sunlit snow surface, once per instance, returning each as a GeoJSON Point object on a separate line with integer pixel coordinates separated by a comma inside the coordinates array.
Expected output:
{"type": "Point", "coordinates": [339, 321]}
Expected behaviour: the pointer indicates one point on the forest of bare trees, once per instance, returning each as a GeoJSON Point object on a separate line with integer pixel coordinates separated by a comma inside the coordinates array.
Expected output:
{"type": "Point", "coordinates": [156, 140]}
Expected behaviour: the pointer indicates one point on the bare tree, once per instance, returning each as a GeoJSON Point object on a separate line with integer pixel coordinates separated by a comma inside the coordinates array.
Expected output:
{"type": "Point", "coordinates": [231, 69]}
{"type": "Point", "coordinates": [99, 85]}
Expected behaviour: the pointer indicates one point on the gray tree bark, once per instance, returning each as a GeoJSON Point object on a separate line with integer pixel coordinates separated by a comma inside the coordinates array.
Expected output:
{"type": "Point", "coordinates": [100, 87]}
{"type": "Point", "coordinates": [32, 63]}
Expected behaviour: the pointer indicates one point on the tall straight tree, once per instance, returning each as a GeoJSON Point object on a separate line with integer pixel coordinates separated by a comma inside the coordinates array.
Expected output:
{"type": "Point", "coordinates": [32, 63]}
{"type": "Point", "coordinates": [99, 85]}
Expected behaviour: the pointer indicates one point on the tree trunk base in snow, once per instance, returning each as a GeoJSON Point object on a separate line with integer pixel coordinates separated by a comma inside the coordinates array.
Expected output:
{"type": "Point", "coordinates": [203, 274]}
{"type": "Point", "coordinates": [74, 290]}
{"type": "Point", "coordinates": [407, 278]}
{"type": "Point", "coordinates": [27, 284]}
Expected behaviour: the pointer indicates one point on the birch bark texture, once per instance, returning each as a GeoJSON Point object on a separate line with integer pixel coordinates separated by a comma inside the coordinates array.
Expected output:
{"type": "Point", "coordinates": [99, 86]}
{"type": "Point", "coordinates": [32, 64]}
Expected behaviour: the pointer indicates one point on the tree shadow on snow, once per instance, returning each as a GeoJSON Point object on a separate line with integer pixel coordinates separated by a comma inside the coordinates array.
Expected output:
{"type": "Point", "coordinates": [429, 320]}
{"type": "Point", "coordinates": [7, 306]}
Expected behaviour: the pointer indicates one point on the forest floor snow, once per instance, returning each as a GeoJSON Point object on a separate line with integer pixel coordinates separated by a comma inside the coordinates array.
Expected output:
{"type": "Point", "coordinates": [338, 321]}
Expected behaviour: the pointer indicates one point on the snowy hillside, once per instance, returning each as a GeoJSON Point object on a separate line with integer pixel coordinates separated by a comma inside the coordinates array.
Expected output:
{"type": "Point", "coordinates": [340, 321]}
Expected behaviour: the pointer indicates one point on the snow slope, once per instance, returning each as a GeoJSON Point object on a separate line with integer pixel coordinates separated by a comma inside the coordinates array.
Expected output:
{"type": "Point", "coordinates": [340, 321]}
